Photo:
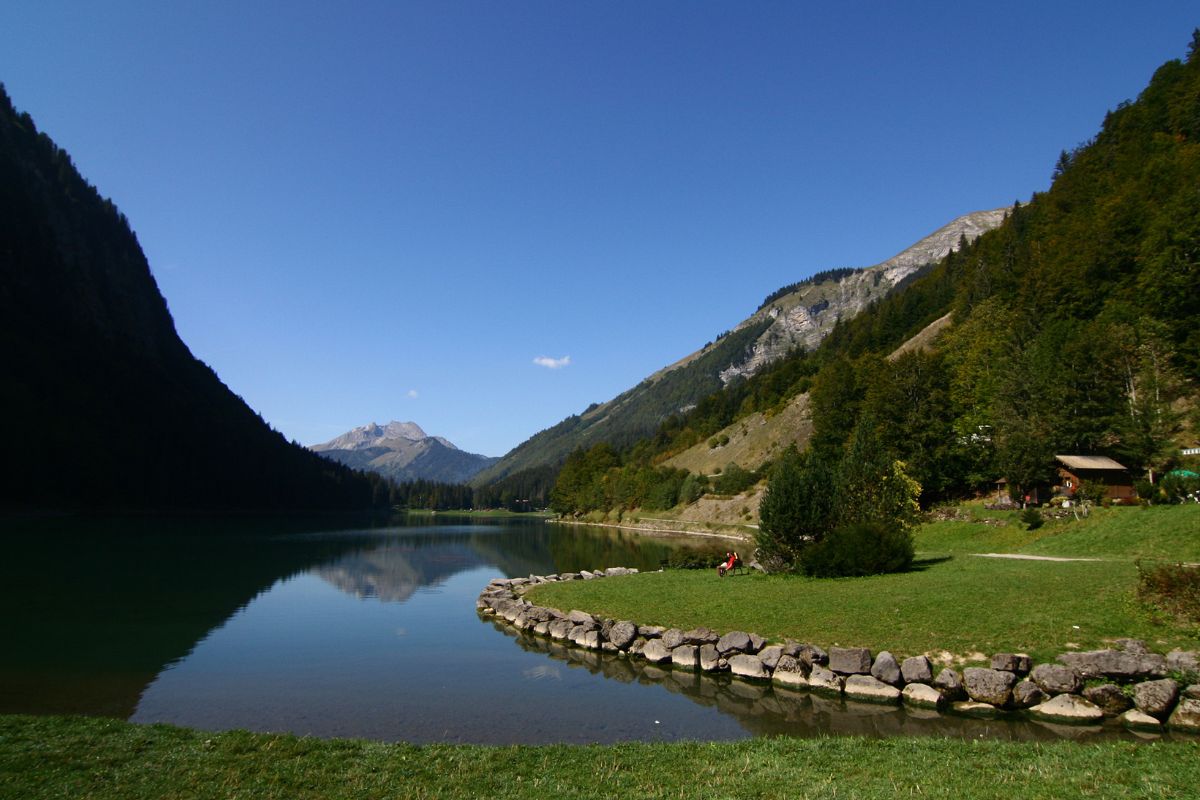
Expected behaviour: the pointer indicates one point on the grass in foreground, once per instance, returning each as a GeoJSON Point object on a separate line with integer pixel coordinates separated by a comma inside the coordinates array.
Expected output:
{"type": "Point", "coordinates": [45, 757]}
{"type": "Point", "coordinates": [954, 601]}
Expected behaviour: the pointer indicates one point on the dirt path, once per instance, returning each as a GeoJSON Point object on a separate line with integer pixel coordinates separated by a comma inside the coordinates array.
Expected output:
{"type": "Point", "coordinates": [1021, 557]}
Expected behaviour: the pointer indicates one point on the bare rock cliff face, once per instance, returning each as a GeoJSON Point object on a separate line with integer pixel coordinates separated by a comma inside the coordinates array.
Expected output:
{"type": "Point", "coordinates": [804, 317]}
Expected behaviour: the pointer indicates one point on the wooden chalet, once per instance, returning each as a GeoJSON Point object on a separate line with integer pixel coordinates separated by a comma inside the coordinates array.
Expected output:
{"type": "Point", "coordinates": [1118, 484]}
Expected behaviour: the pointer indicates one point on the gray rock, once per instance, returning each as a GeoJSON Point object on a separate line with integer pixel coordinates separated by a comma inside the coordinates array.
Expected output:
{"type": "Point", "coordinates": [700, 636]}
{"type": "Point", "coordinates": [871, 689]}
{"type": "Point", "coordinates": [1116, 664]}
{"type": "Point", "coordinates": [637, 646]}
{"type": "Point", "coordinates": [1192, 692]}
{"type": "Point", "coordinates": [1186, 716]}
{"type": "Point", "coordinates": [756, 643]}
{"type": "Point", "coordinates": [1056, 679]}
{"type": "Point", "coordinates": [570, 576]}
{"type": "Point", "coordinates": [1185, 661]}
{"type": "Point", "coordinates": [560, 628]}
{"type": "Point", "coordinates": [950, 684]}
{"type": "Point", "coordinates": [790, 671]}
{"type": "Point", "coordinates": [686, 656]}
{"type": "Point", "coordinates": [590, 640]}
{"type": "Point", "coordinates": [1027, 694]}
{"type": "Point", "coordinates": [921, 695]}
{"type": "Point", "coordinates": [1070, 708]}
{"type": "Point", "coordinates": [733, 642]}
{"type": "Point", "coordinates": [850, 660]}
{"type": "Point", "coordinates": [672, 638]}
{"type": "Point", "coordinates": [770, 656]}
{"type": "Point", "coordinates": [824, 680]}
{"type": "Point", "coordinates": [885, 669]}
{"type": "Point", "coordinates": [582, 618]}
{"type": "Point", "coordinates": [811, 654]}
{"type": "Point", "coordinates": [542, 628]}
{"type": "Point", "coordinates": [748, 666]}
{"type": "Point", "coordinates": [916, 669]}
{"type": "Point", "coordinates": [1138, 721]}
{"type": "Point", "coordinates": [577, 633]}
{"type": "Point", "coordinates": [622, 633]}
{"type": "Point", "coordinates": [1133, 646]}
{"type": "Point", "coordinates": [1011, 662]}
{"type": "Point", "coordinates": [651, 631]}
{"type": "Point", "coordinates": [656, 652]}
{"type": "Point", "coordinates": [1109, 698]}
{"type": "Point", "coordinates": [615, 571]}
{"type": "Point", "coordinates": [710, 659]}
{"type": "Point", "coordinates": [990, 686]}
{"type": "Point", "coordinates": [1156, 698]}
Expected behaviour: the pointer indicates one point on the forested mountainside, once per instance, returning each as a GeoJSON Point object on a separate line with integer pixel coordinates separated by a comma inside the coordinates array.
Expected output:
{"type": "Point", "coordinates": [1073, 330]}
{"type": "Point", "coordinates": [104, 407]}
{"type": "Point", "coordinates": [402, 452]}
{"type": "Point", "coordinates": [797, 316]}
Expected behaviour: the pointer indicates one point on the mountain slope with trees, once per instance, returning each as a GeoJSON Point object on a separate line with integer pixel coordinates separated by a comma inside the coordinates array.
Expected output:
{"type": "Point", "coordinates": [104, 406]}
{"type": "Point", "coordinates": [1072, 329]}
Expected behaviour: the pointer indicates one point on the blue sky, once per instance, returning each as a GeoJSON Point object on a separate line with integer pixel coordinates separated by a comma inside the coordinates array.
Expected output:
{"type": "Point", "coordinates": [484, 216]}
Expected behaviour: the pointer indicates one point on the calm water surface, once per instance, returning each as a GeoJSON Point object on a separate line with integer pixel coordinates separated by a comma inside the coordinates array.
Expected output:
{"type": "Point", "coordinates": [365, 631]}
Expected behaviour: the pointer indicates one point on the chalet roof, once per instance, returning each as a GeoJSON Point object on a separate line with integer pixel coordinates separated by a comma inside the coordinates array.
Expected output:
{"type": "Point", "coordinates": [1089, 462]}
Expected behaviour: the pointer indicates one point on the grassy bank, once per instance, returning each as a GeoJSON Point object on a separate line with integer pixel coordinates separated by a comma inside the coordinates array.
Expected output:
{"type": "Point", "coordinates": [953, 601]}
{"type": "Point", "coordinates": [486, 513]}
{"type": "Point", "coordinates": [55, 757]}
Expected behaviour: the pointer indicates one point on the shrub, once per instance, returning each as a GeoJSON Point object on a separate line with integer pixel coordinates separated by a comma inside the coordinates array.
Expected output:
{"type": "Point", "coordinates": [1180, 488]}
{"type": "Point", "coordinates": [734, 479]}
{"type": "Point", "coordinates": [1032, 519]}
{"type": "Point", "coordinates": [866, 548]}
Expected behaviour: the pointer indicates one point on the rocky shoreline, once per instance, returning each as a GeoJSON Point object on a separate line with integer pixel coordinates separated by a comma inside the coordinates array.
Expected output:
{"type": "Point", "coordinates": [1144, 691]}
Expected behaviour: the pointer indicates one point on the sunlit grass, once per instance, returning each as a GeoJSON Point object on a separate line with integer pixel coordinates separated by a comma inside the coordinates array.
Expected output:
{"type": "Point", "coordinates": [953, 601]}
{"type": "Point", "coordinates": [93, 758]}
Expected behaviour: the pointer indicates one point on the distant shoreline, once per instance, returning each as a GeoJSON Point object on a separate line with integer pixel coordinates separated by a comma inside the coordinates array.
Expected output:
{"type": "Point", "coordinates": [707, 533]}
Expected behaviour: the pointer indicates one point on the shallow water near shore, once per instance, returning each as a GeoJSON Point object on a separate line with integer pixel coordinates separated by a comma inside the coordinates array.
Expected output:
{"type": "Point", "coordinates": [367, 630]}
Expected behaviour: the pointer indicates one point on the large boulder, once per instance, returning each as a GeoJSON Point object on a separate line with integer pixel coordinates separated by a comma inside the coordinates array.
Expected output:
{"type": "Point", "coordinates": [1011, 662]}
{"type": "Point", "coordinates": [1116, 664]}
{"type": "Point", "coordinates": [560, 628]}
{"type": "Point", "coordinates": [686, 656]}
{"type": "Point", "coordinates": [582, 618]}
{"type": "Point", "coordinates": [885, 669]}
{"type": "Point", "coordinates": [710, 659]}
{"type": "Point", "coordinates": [699, 636]}
{"type": "Point", "coordinates": [810, 654]}
{"type": "Point", "coordinates": [734, 642]}
{"type": "Point", "coordinates": [1069, 708]}
{"type": "Point", "coordinates": [922, 695]}
{"type": "Point", "coordinates": [1109, 698]}
{"type": "Point", "coordinates": [770, 656]}
{"type": "Point", "coordinates": [1156, 698]}
{"type": "Point", "coordinates": [1056, 679]}
{"type": "Point", "coordinates": [1185, 661]}
{"type": "Point", "coordinates": [622, 633]}
{"type": "Point", "coordinates": [790, 671]}
{"type": "Point", "coordinates": [756, 643]}
{"type": "Point", "coordinates": [850, 660]}
{"type": "Point", "coordinates": [950, 684]}
{"type": "Point", "coordinates": [656, 652]}
{"type": "Point", "coordinates": [871, 689]}
{"type": "Point", "coordinates": [748, 666]}
{"type": "Point", "coordinates": [824, 680]}
{"type": "Point", "coordinates": [672, 638]}
{"type": "Point", "coordinates": [1027, 694]}
{"type": "Point", "coordinates": [1138, 721]}
{"type": "Point", "coordinates": [916, 669]}
{"type": "Point", "coordinates": [590, 640]}
{"type": "Point", "coordinates": [991, 686]}
{"type": "Point", "coordinates": [1186, 716]}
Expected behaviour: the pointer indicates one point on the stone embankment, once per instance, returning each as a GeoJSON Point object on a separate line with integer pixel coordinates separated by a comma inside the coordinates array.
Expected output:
{"type": "Point", "coordinates": [1141, 689]}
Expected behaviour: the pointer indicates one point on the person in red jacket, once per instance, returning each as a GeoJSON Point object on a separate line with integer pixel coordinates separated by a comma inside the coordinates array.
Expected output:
{"type": "Point", "coordinates": [731, 561]}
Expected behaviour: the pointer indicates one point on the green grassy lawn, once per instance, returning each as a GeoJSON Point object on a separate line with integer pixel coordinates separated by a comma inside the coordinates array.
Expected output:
{"type": "Point", "coordinates": [57, 757]}
{"type": "Point", "coordinates": [953, 601]}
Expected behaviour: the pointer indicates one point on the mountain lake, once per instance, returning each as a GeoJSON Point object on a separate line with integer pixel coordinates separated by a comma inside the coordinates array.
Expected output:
{"type": "Point", "coordinates": [368, 630]}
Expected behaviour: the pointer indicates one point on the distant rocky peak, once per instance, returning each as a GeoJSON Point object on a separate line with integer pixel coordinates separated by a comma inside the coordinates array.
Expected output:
{"type": "Point", "coordinates": [372, 434]}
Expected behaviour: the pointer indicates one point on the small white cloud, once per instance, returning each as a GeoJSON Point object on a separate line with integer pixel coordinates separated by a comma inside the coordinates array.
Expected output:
{"type": "Point", "coordinates": [552, 363]}
{"type": "Point", "coordinates": [413, 393]}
